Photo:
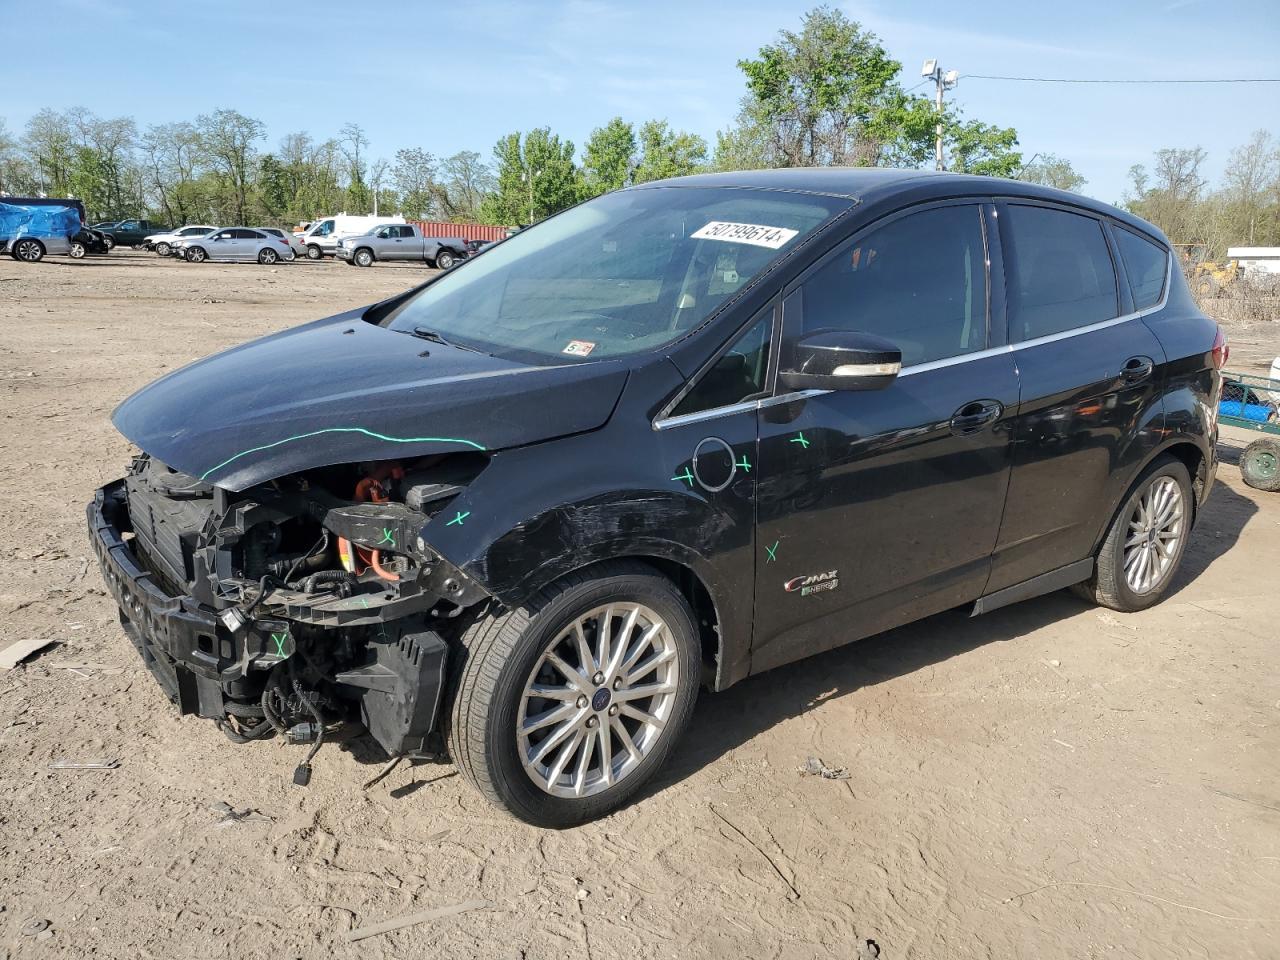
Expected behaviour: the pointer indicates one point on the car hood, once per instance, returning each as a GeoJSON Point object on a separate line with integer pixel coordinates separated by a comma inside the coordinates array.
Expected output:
{"type": "Point", "coordinates": [341, 391]}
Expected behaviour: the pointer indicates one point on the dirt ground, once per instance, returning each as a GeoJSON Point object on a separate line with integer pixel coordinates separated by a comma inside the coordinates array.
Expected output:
{"type": "Point", "coordinates": [1047, 781]}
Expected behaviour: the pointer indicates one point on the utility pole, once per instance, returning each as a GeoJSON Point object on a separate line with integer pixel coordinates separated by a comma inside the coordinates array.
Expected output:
{"type": "Point", "coordinates": [943, 81]}
{"type": "Point", "coordinates": [529, 176]}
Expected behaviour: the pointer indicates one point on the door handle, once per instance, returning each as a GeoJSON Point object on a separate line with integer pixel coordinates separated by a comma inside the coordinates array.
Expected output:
{"type": "Point", "coordinates": [1137, 369]}
{"type": "Point", "coordinates": [974, 416]}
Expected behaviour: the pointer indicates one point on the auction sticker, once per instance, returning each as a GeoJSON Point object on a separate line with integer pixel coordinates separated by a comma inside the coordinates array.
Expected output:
{"type": "Point", "coordinates": [755, 234]}
{"type": "Point", "coordinates": [579, 348]}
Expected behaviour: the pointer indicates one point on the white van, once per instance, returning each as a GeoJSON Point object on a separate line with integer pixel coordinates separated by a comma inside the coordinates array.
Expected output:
{"type": "Point", "coordinates": [323, 235]}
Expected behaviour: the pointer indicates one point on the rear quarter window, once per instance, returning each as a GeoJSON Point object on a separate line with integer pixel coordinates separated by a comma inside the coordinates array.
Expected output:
{"type": "Point", "coordinates": [1061, 274]}
{"type": "Point", "coordinates": [1147, 265]}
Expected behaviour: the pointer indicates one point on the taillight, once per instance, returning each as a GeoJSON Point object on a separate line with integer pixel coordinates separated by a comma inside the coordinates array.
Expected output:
{"type": "Point", "coordinates": [1221, 350]}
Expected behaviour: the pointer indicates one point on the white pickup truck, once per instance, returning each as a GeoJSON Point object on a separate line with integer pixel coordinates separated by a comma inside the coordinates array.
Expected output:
{"type": "Point", "coordinates": [401, 241]}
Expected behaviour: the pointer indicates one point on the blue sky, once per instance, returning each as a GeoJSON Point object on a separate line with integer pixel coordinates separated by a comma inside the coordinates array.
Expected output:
{"type": "Point", "coordinates": [457, 76]}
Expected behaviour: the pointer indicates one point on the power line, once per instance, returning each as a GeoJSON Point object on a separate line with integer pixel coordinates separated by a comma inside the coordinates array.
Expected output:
{"type": "Point", "coordinates": [979, 76]}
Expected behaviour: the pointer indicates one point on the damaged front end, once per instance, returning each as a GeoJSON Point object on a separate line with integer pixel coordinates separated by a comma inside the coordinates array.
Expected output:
{"type": "Point", "coordinates": [297, 604]}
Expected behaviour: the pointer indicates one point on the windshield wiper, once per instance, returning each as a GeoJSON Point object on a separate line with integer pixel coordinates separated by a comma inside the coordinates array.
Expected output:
{"type": "Point", "coordinates": [423, 333]}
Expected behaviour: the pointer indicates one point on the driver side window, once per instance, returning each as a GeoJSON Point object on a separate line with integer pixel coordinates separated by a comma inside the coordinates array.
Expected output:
{"type": "Point", "coordinates": [919, 281]}
{"type": "Point", "coordinates": [738, 374]}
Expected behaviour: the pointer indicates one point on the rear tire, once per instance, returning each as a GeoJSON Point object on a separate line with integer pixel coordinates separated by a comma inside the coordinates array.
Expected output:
{"type": "Point", "coordinates": [1260, 465]}
{"type": "Point", "coordinates": [445, 259]}
{"type": "Point", "coordinates": [1146, 541]}
{"type": "Point", "coordinates": [77, 250]}
{"type": "Point", "coordinates": [268, 256]}
{"type": "Point", "coordinates": [314, 252]}
{"type": "Point", "coordinates": [504, 657]}
{"type": "Point", "coordinates": [28, 251]}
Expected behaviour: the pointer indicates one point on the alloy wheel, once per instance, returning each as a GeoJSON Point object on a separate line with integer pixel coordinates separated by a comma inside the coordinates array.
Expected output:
{"type": "Point", "coordinates": [598, 700]}
{"type": "Point", "coordinates": [1154, 537]}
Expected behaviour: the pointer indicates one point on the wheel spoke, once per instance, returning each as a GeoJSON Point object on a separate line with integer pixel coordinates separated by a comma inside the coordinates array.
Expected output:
{"type": "Point", "coordinates": [641, 645]}
{"type": "Point", "coordinates": [620, 645]}
{"type": "Point", "coordinates": [548, 717]}
{"type": "Point", "coordinates": [554, 693]}
{"type": "Point", "coordinates": [641, 692]}
{"type": "Point", "coordinates": [605, 736]}
{"type": "Point", "coordinates": [648, 719]}
{"type": "Point", "coordinates": [584, 649]}
{"type": "Point", "coordinates": [565, 755]}
{"type": "Point", "coordinates": [650, 664]}
{"type": "Point", "coordinates": [603, 640]}
{"type": "Point", "coordinates": [556, 736]}
{"type": "Point", "coordinates": [570, 674]}
{"type": "Point", "coordinates": [620, 729]}
{"type": "Point", "coordinates": [584, 761]}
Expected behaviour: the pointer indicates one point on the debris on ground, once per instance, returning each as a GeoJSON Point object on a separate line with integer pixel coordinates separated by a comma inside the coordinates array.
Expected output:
{"type": "Point", "coordinates": [868, 950]}
{"type": "Point", "coordinates": [422, 916]}
{"type": "Point", "coordinates": [229, 815]}
{"type": "Point", "coordinates": [34, 928]}
{"type": "Point", "coordinates": [15, 653]}
{"type": "Point", "coordinates": [813, 767]}
{"type": "Point", "coordinates": [84, 764]}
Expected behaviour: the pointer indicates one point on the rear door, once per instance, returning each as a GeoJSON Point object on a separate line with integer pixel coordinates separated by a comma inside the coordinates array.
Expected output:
{"type": "Point", "coordinates": [879, 507]}
{"type": "Point", "coordinates": [1090, 411]}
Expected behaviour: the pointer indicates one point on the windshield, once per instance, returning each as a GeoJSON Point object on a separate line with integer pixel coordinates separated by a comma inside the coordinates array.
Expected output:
{"type": "Point", "coordinates": [621, 274]}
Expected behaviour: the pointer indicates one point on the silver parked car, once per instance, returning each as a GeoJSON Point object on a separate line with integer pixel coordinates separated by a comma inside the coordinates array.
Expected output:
{"type": "Point", "coordinates": [238, 243]}
{"type": "Point", "coordinates": [296, 246]}
{"type": "Point", "coordinates": [166, 244]}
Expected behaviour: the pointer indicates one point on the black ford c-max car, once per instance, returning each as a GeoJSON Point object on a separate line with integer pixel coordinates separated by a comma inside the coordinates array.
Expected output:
{"type": "Point", "coordinates": [671, 437]}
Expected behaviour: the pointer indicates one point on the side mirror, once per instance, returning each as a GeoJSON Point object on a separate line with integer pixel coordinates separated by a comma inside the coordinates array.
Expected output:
{"type": "Point", "coordinates": [842, 360]}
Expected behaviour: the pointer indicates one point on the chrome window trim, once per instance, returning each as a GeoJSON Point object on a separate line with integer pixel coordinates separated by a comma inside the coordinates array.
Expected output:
{"type": "Point", "coordinates": [717, 412]}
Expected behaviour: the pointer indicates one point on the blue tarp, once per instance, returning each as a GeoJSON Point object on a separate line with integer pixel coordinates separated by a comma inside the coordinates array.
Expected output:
{"type": "Point", "coordinates": [19, 221]}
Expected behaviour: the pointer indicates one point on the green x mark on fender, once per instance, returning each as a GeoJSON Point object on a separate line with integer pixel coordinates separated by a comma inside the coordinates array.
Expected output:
{"type": "Point", "coordinates": [799, 438]}
{"type": "Point", "coordinates": [387, 538]}
{"type": "Point", "coordinates": [685, 476]}
{"type": "Point", "coordinates": [458, 519]}
{"type": "Point", "coordinates": [280, 639]}
{"type": "Point", "coordinates": [772, 551]}
{"type": "Point", "coordinates": [745, 465]}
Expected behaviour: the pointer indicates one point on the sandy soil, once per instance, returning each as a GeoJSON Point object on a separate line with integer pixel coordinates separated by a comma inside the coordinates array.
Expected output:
{"type": "Point", "coordinates": [1047, 781]}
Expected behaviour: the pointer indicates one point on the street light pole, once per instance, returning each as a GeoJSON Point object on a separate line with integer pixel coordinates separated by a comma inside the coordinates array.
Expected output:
{"type": "Point", "coordinates": [943, 81]}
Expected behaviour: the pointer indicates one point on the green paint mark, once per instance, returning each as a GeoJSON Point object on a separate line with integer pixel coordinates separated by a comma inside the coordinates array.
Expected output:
{"type": "Point", "coordinates": [280, 639]}
{"type": "Point", "coordinates": [458, 519]}
{"type": "Point", "coordinates": [685, 476]}
{"type": "Point", "coordinates": [364, 602]}
{"type": "Point", "coordinates": [744, 464]}
{"type": "Point", "coordinates": [772, 551]}
{"type": "Point", "coordinates": [799, 438]}
{"type": "Point", "coordinates": [316, 433]}
{"type": "Point", "coordinates": [387, 538]}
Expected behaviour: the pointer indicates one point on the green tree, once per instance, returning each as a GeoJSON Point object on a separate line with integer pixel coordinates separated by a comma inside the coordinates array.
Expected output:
{"type": "Point", "coordinates": [228, 139]}
{"type": "Point", "coordinates": [414, 175]}
{"type": "Point", "coordinates": [536, 177]}
{"type": "Point", "coordinates": [1052, 171]}
{"type": "Point", "coordinates": [976, 147]}
{"type": "Point", "coordinates": [609, 157]}
{"type": "Point", "coordinates": [465, 182]}
{"type": "Point", "coordinates": [667, 153]}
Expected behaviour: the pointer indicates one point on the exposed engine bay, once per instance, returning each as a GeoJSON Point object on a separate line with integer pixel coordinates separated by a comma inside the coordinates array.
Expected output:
{"type": "Point", "coordinates": [297, 605]}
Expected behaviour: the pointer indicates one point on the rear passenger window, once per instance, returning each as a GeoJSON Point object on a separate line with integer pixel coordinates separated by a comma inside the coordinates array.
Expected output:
{"type": "Point", "coordinates": [920, 282]}
{"type": "Point", "coordinates": [1147, 265]}
{"type": "Point", "coordinates": [1061, 274]}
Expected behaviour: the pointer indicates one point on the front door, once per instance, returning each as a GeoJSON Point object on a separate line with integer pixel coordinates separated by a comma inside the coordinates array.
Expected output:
{"type": "Point", "coordinates": [876, 508]}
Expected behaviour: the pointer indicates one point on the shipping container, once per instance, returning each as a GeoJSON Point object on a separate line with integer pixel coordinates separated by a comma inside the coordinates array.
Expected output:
{"type": "Point", "coordinates": [467, 231]}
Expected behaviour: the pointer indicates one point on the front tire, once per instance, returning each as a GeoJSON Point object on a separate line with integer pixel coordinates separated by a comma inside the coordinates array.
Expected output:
{"type": "Point", "coordinates": [28, 251]}
{"type": "Point", "coordinates": [1146, 541]}
{"type": "Point", "coordinates": [109, 240]}
{"type": "Point", "coordinates": [163, 249]}
{"type": "Point", "coordinates": [564, 708]}
{"type": "Point", "coordinates": [196, 255]}
{"type": "Point", "coordinates": [363, 257]}
{"type": "Point", "coordinates": [77, 250]}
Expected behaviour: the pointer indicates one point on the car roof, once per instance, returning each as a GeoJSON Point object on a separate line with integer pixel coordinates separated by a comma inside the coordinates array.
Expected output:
{"type": "Point", "coordinates": [881, 185]}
